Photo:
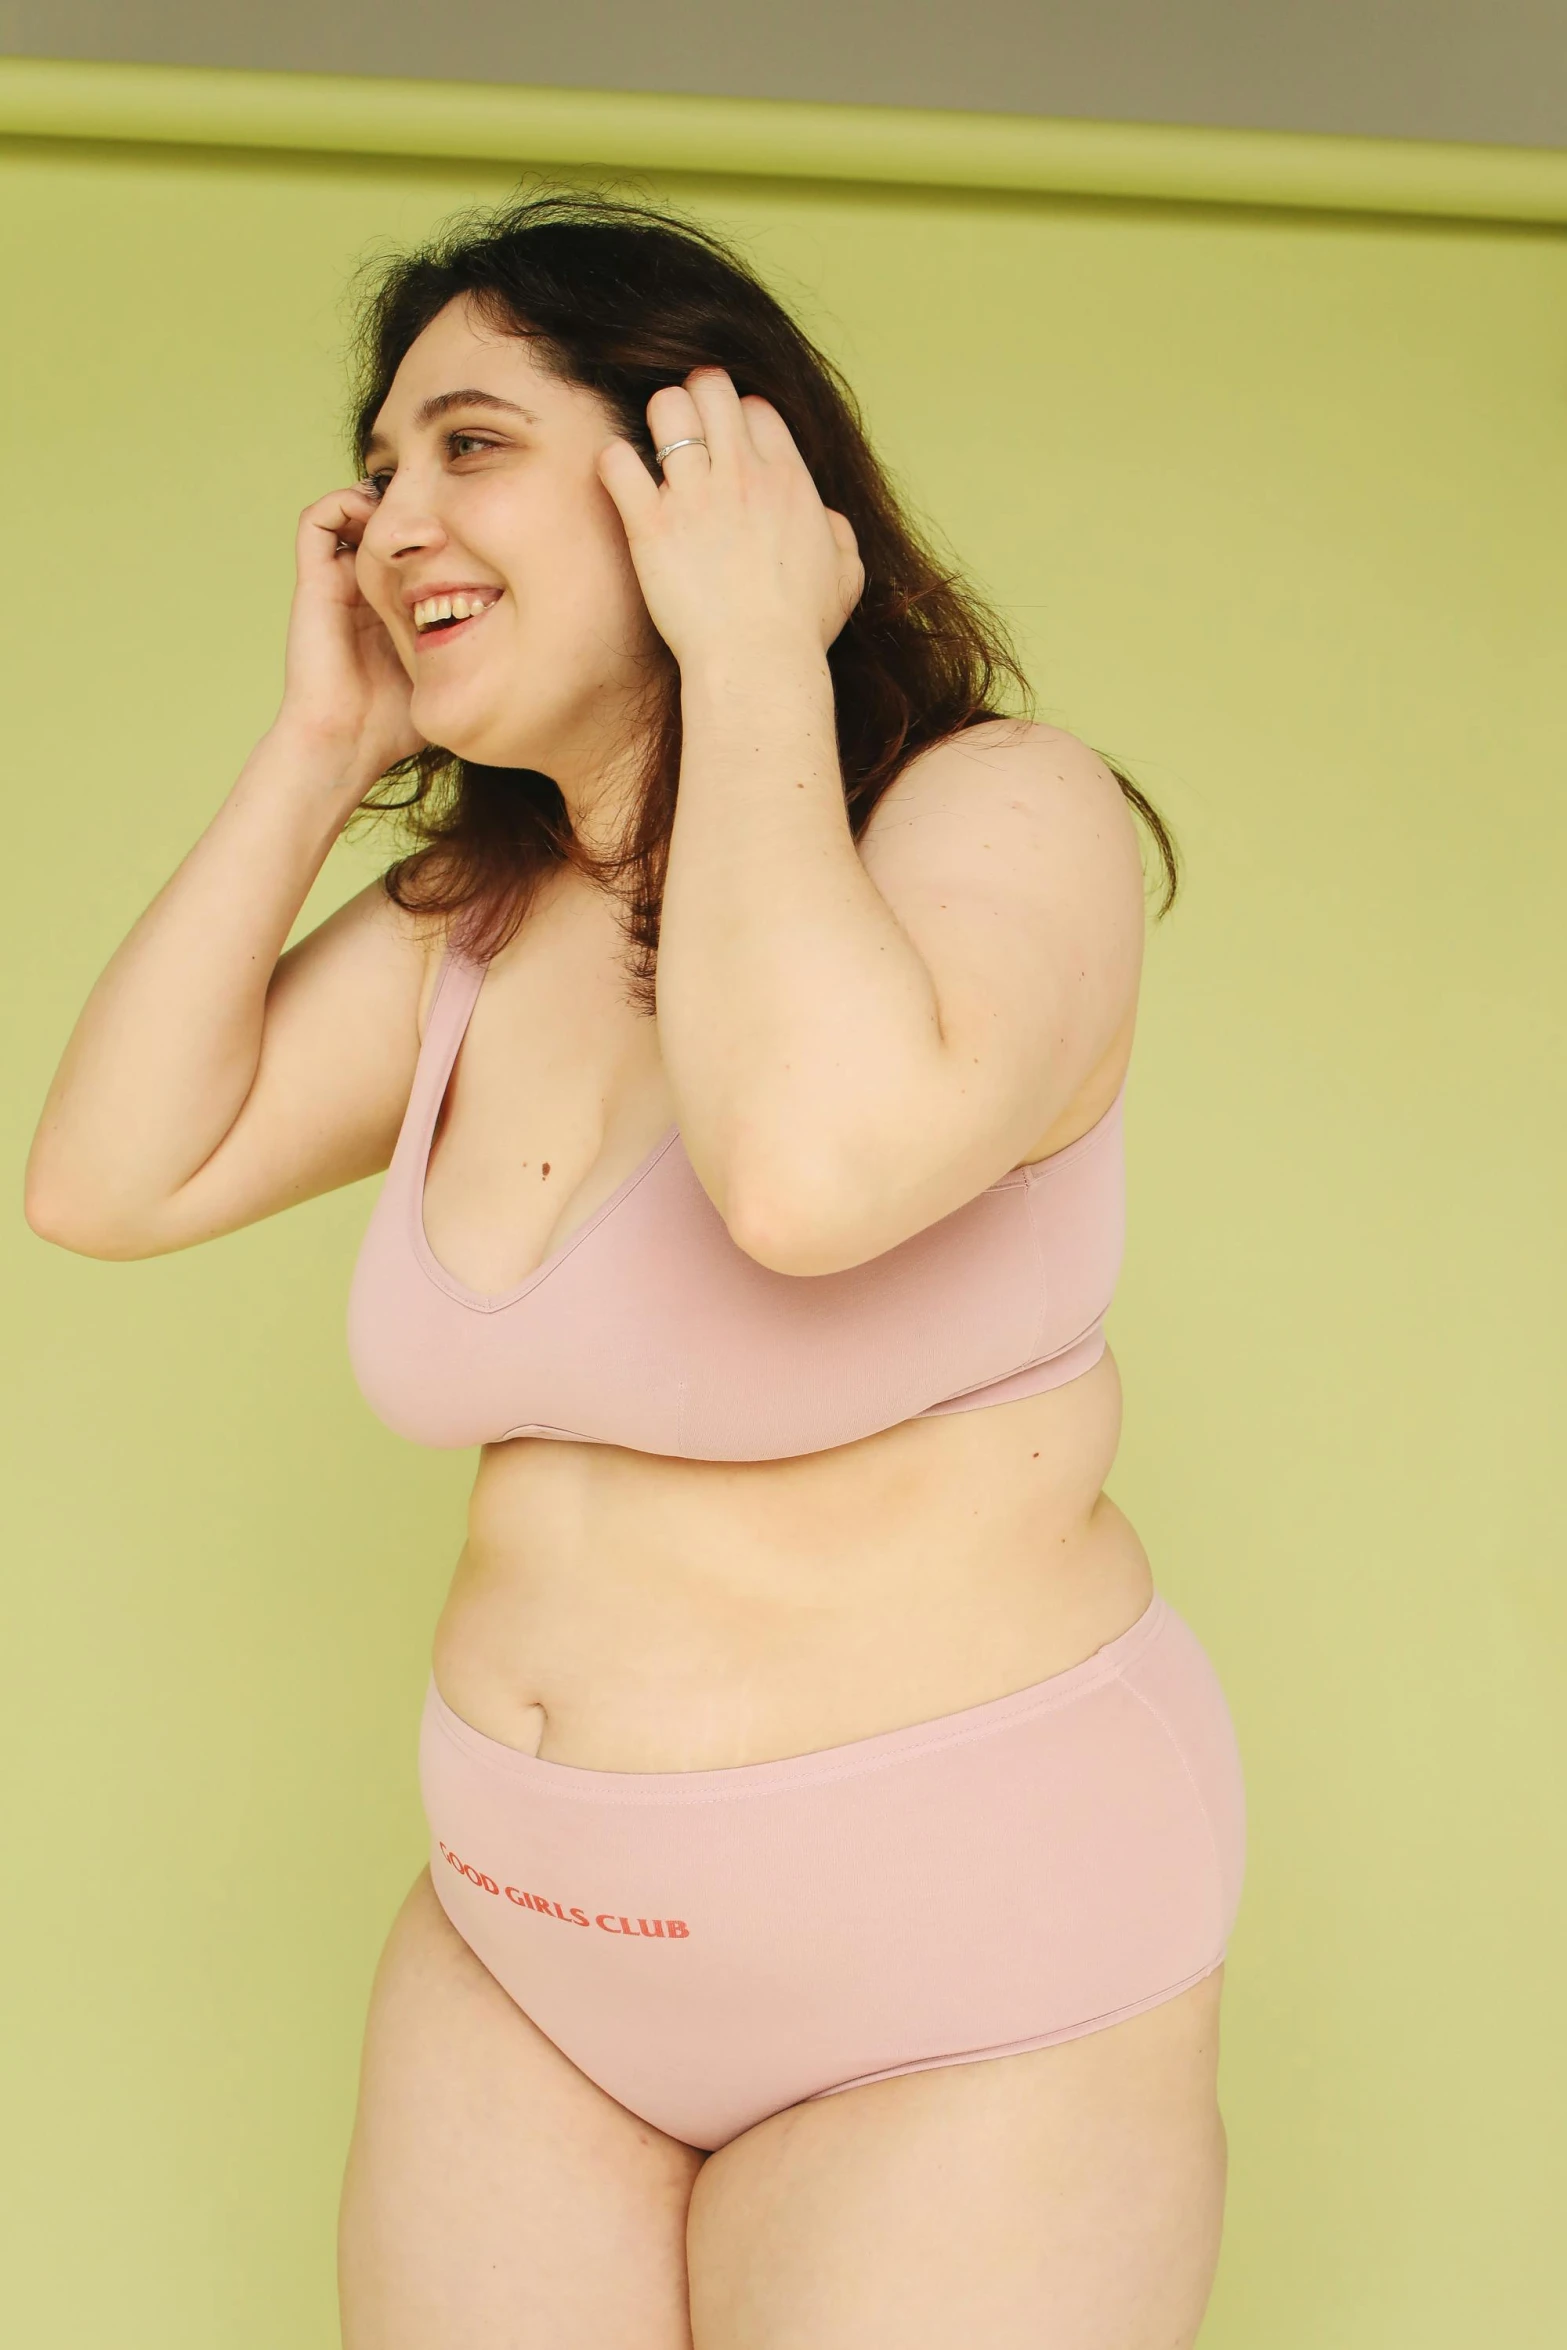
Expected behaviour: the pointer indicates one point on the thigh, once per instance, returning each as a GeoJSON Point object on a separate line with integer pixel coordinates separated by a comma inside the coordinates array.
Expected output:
{"type": "Point", "coordinates": [494, 2196]}
{"type": "Point", "coordinates": [1066, 2199]}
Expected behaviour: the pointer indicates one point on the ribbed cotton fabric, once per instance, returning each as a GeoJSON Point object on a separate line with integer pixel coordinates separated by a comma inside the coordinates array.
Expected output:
{"type": "Point", "coordinates": [650, 1328]}
{"type": "Point", "coordinates": [712, 1946]}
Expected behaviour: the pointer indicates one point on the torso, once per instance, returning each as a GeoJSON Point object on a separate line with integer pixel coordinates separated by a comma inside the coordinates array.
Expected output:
{"type": "Point", "coordinates": [629, 1612]}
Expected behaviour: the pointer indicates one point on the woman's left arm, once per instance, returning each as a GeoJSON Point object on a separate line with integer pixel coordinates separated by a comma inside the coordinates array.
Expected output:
{"type": "Point", "coordinates": [857, 1043]}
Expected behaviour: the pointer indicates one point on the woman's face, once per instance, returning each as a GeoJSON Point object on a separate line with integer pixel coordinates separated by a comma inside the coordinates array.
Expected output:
{"type": "Point", "coordinates": [488, 491]}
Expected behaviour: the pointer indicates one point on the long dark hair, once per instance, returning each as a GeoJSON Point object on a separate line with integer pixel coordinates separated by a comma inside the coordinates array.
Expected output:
{"type": "Point", "coordinates": [621, 299]}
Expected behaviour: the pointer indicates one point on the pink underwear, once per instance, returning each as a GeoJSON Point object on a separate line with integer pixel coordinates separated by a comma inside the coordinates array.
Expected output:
{"type": "Point", "coordinates": [712, 1946]}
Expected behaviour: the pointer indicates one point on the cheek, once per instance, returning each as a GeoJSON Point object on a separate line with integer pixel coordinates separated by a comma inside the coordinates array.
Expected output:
{"type": "Point", "coordinates": [591, 595]}
{"type": "Point", "coordinates": [373, 585]}
{"type": "Point", "coordinates": [379, 594]}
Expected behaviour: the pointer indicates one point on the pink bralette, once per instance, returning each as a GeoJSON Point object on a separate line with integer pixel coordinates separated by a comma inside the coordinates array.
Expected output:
{"type": "Point", "coordinates": [650, 1328]}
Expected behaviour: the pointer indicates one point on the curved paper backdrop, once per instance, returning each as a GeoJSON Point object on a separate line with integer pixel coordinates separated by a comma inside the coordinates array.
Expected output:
{"type": "Point", "coordinates": [1276, 500]}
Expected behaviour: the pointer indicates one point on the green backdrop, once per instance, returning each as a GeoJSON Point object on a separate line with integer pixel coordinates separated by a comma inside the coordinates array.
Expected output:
{"type": "Point", "coordinates": [1276, 499]}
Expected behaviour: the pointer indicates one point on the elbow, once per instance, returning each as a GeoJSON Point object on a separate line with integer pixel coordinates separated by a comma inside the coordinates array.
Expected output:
{"type": "Point", "coordinates": [73, 1224]}
{"type": "Point", "coordinates": [794, 1212]}
{"type": "Point", "coordinates": [73, 1232]}
{"type": "Point", "coordinates": [792, 1237]}
{"type": "Point", "coordinates": [59, 1231]}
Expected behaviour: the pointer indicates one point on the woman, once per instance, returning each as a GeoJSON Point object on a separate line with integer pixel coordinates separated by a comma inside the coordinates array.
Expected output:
{"type": "Point", "coordinates": [835, 1838]}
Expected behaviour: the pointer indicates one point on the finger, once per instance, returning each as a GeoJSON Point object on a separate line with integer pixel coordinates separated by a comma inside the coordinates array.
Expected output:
{"type": "Point", "coordinates": [717, 403]}
{"type": "Point", "coordinates": [685, 450]}
{"type": "Point", "coordinates": [630, 484]}
{"type": "Point", "coordinates": [332, 527]}
{"type": "Point", "coordinates": [344, 512]}
{"type": "Point", "coordinates": [672, 415]}
{"type": "Point", "coordinates": [770, 436]}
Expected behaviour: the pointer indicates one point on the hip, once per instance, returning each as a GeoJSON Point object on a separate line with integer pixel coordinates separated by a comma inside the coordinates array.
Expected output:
{"type": "Point", "coordinates": [714, 1945]}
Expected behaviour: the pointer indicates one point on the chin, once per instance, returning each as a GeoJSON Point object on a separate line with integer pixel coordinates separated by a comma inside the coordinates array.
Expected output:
{"type": "Point", "coordinates": [503, 732]}
{"type": "Point", "coordinates": [441, 718]}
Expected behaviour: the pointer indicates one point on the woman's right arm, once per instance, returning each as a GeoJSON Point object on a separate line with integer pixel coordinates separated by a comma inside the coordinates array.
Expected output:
{"type": "Point", "coordinates": [212, 1079]}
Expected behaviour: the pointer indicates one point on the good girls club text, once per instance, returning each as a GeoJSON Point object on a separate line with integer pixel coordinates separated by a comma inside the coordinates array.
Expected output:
{"type": "Point", "coordinates": [659, 1929]}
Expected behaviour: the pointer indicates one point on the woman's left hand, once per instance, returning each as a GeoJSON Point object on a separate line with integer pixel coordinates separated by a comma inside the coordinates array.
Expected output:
{"type": "Point", "coordinates": [734, 548]}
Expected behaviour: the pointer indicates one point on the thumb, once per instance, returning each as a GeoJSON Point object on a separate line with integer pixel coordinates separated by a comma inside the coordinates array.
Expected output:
{"type": "Point", "coordinates": [629, 483]}
{"type": "Point", "coordinates": [842, 532]}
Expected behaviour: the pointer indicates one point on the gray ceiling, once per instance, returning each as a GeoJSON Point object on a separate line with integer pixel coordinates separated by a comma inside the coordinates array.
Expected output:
{"type": "Point", "coordinates": [1489, 70]}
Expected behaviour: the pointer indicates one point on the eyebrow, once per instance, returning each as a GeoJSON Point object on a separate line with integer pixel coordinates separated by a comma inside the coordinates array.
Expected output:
{"type": "Point", "coordinates": [442, 405]}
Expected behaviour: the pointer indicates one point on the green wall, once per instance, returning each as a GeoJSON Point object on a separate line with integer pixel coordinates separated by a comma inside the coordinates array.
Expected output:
{"type": "Point", "coordinates": [1277, 501]}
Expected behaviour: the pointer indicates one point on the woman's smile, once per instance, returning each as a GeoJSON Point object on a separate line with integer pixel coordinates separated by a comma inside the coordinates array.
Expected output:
{"type": "Point", "coordinates": [442, 614]}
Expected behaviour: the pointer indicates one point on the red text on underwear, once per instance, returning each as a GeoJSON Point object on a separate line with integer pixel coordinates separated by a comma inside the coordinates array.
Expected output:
{"type": "Point", "coordinates": [656, 1929]}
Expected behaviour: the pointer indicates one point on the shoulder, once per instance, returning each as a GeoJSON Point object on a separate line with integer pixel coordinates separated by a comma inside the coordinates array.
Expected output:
{"type": "Point", "coordinates": [1009, 789]}
{"type": "Point", "coordinates": [411, 946]}
{"type": "Point", "coordinates": [1007, 765]}
{"type": "Point", "coordinates": [1018, 746]}
{"type": "Point", "coordinates": [1010, 857]}
{"type": "Point", "coordinates": [370, 950]}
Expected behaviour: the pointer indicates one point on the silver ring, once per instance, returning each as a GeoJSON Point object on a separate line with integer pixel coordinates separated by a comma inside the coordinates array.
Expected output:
{"type": "Point", "coordinates": [692, 441]}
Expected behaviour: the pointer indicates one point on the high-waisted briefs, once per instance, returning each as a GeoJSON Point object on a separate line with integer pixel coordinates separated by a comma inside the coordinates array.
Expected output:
{"type": "Point", "coordinates": [712, 1946]}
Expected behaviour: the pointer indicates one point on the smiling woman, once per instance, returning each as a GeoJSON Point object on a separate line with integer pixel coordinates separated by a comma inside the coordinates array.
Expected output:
{"type": "Point", "coordinates": [823, 1802]}
{"type": "Point", "coordinates": [920, 658]}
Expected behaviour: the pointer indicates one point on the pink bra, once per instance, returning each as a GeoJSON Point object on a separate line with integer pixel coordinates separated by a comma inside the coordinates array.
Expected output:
{"type": "Point", "coordinates": [649, 1328]}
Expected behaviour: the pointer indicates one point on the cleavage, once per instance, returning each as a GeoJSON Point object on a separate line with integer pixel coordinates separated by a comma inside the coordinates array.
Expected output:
{"type": "Point", "coordinates": [549, 1107]}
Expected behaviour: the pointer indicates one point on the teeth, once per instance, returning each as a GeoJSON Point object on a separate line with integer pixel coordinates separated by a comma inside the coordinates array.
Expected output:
{"type": "Point", "coordinates": [462, 607]}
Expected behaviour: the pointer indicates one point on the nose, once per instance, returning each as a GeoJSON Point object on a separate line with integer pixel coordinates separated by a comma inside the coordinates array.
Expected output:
{"type": "Point", "coordinates": [402, 523]}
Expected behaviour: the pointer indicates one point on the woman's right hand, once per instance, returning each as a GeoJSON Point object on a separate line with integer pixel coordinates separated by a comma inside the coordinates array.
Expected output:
{"type": "Point", "coordinates": [345, 690]}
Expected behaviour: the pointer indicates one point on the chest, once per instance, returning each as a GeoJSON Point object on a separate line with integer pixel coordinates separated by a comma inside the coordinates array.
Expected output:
{"type": "Point", "coordinates": [556, 1269]}
{"type": "Point", "coordinates": [556, 1094]}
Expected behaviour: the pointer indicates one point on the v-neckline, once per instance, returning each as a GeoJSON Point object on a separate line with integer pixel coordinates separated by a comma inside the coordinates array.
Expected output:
{"type": "Point", "coordinates": [491, 1301]}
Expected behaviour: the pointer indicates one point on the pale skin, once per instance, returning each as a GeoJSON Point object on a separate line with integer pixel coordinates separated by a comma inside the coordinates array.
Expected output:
{"type": "Point", "coordinates": [855, 1039]}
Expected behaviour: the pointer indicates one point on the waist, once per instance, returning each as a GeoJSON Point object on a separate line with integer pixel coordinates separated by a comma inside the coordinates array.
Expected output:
{"type": "Point", "coordinates": [630, 1612]}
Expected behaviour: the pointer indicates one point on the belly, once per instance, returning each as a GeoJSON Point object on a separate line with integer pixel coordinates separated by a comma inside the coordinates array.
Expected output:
{"type": "Point", "coordinates": [626, 1612]}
